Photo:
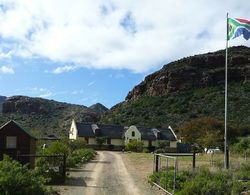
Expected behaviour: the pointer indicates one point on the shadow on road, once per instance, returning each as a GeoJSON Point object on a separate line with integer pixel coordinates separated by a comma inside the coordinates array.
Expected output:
{"type": "Point", "coordinates": [79, 170]}
{"type": "Point", "coordinates": [99, 161]}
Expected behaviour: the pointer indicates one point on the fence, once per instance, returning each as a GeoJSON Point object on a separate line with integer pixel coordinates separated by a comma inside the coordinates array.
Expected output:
{"type": "Point", "coordinates": [167, 165]}
{"type": "Point", "coordinates": [53, 166]}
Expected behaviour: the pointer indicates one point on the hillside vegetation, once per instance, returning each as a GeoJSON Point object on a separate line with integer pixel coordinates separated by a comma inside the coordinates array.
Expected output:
{"type": "Point", "coordinates": [179, 107]}
{"type": "Point", "coordinates": [190, 88]}
{"type": "Point", "coordinates": [42, 116]}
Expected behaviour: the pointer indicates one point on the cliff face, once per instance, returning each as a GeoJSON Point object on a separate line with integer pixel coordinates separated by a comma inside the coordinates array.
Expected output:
{"type": "Point", "coordinates": [198, 71]}
{"type": "Point", "coordinates": [192, 87]}
{"type": "Point", "coordinates": [25, 105]}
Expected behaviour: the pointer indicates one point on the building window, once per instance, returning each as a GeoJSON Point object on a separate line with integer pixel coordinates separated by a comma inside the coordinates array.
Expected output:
{"type": "Point", "coordinates": [133, 134]}
{"type": "Point", "coordinates": [108, 141]}
{"type": "Point", "coordinates": [11, 142]}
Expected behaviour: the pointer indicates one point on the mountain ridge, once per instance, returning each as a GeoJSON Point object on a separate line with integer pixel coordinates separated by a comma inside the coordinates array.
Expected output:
{"type": "Point", "coordinates": [198, 71]}
{"type": "Point", "coordinates": [189, 88]}
{"type": "Point", "coordinates": [43, 116]}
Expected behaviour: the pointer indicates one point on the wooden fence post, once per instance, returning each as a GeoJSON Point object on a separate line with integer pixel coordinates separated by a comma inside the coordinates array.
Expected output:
{"type": "Point", "coordinates": [193, 160]}
{"type": "Point", "coordinates": [64, 166]}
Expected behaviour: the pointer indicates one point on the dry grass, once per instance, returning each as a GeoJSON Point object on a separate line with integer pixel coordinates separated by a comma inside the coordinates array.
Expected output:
{"type": "Point", "coordinates": [144, 161]}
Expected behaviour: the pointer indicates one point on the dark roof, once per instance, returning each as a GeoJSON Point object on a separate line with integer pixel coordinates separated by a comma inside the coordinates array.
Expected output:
{"type": "Point", "coordinates": [112, 131]}
{"type": "Point", "coordinates": [153, 134]}
{"type": "Point", "coordinates": [18, 125]}
{"type": "Point", "coordinates": [84, 130]}
{"type": "Point", "coordinates": [166, 134]}
{"type": "Point", "coordinates": [117, 132]}
{"type": "Point", "coordinates": [146, 133]}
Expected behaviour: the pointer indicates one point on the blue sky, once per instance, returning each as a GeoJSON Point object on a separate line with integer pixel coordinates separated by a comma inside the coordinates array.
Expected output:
{"type": "Point", "coordinates": [86, 51]}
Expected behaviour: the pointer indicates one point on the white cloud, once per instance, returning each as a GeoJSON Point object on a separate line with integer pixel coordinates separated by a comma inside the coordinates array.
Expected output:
{"type": "Point", "coordinates": [91, 83]}
{"type": "Point", "coordinates": [63, 69]}
{"type": "Point", "coordinates": [6, 70]}
{"type": "Point", "coordinates": [135, 35]}
{"type": "Point", "coordinates": [39, 92]}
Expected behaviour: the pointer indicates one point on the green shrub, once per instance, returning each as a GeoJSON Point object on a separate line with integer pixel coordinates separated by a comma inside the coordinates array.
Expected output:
{"type": "Point", "coordinates": [135, 146]}
{"type": "Point", "coordinates": [16, 179]}
{"type": "Point", "coordinates": [80, 156]}
{"type": "Point", "coordinates": [51, 168]}
{"type": "Point", "coordinates": [77, 144]}
{"type": "Point", "coordinates": [204, 181]}
{"type": "Point", "coordinates": [145, 150]}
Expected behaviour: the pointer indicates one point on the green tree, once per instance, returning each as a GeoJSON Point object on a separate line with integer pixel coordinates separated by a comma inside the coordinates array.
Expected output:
{"type": "Point", "coordinates": [100, 141]}
{"type": "Point", "coordinates": [206, 132]}
{"type": "Point", "coordinates": [135, 146]}
{"type": "Point", "coordinates": [16, 179]}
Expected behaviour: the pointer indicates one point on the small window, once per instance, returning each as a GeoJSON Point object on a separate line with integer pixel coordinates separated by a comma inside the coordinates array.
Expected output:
{"type": "Point", "coordinates": [108, 141]}
{"type": "Point", "coordinates": [11, 142]}
{"type": "Point", "coordinates": [133, 134]}
{"type": "Point", "coordinates": [87, 140]}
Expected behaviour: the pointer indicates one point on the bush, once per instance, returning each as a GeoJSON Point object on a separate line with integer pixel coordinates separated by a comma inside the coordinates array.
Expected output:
{"type": "Point", "coordinates": [77, 144]}
{"type": "Point", "coordinates": [52, 168]}
{"type": "Point", "coordinates": [16, 179]}
{"type": "Point", "coordinates": [242, 146]}
{"type": "Point", "coordinates": [80, 156]}
{"type": "Point", "coordinates": [135, 146]}
{"type": "Point", "coordinates": [203, 181]}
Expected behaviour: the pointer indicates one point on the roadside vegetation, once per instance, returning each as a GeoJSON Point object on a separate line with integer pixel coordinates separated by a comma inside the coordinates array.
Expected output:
{"type": "Point", "coordinates": [16, 179]}
{"type": "Point", "coordinates": [75, 153]}
{"type": "Point", "coordinates": [205, 181]}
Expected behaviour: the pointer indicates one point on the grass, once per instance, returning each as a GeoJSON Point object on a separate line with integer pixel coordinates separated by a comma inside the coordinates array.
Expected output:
{"type": "Point", "coordinates": [185, 163]}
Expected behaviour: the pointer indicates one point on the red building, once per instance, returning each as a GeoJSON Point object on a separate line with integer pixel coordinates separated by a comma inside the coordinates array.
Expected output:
{"type": "Point", "coordinates": [15, 141]}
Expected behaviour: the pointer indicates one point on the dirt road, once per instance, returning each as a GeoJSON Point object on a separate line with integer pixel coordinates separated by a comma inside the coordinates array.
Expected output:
{"type": "Point", "coordinates": [105, 175]}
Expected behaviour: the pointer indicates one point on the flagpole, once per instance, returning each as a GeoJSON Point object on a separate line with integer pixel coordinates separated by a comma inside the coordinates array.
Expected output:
{"type": "Point", "coordinates": [226, 154]}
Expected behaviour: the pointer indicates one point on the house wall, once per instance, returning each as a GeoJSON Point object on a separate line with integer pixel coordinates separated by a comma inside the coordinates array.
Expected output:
{"type": "Point", "coordinates": [128, 134]}
{"type": "Point", "coordinates": [173, 144]}
{"type": "Point", "coordinates": [73, 130]}
{"type": "Point", "coordinates": [117, 142]}
{"type": "Point", "coordinates": [24, 144]}
{"type": "Point", "coordinates": [92, 141]}
{"type": "Point", "coordinates": [145, 143]}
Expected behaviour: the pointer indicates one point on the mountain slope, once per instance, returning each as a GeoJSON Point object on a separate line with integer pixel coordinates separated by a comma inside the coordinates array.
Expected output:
{"type": "Point", "coordinates": [189, 88]}
{"type": "Point", "coordinates": [43, 116]}
{"type": "Point", "coordinates": [99, 108]}
{"type": "Point", "coordinates": [2, 99]}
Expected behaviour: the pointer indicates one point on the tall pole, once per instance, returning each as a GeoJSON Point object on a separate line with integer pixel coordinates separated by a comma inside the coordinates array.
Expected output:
{"type": "Point", "coordinates": [226, 155]}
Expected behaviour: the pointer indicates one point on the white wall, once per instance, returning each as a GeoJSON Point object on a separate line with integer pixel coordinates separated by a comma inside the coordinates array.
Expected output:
{"type": "Point", "coordinates": [73, 130]}
{"type": "Point", "coordinates": [128, 134]}
{"type": "Point", "coordinates": [117, 142]}
{"type": "Point", "coordinates": [92, 141]}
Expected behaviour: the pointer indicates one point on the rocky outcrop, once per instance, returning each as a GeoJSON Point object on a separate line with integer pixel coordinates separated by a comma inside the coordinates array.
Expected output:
{"type": "Point", "coordinates": [45, 116]}
{"type": "Point", "coordinates": [198, 71]}
{"type": "Point", "coordinates": [99, 108]}
{"type": "Point", "coordinates": [2, 99]}
{"type": "Point", "coordinates": [25, 105]}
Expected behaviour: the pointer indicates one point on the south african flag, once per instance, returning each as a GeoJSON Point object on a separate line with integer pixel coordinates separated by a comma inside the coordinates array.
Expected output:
{"type": "Point", "coordinates": [237, 27]}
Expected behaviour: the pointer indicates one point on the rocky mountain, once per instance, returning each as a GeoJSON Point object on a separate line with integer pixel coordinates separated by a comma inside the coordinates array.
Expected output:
{"type": "Point", "coordinates": [2, 99]}
{"type": "Point", "coordinates": [188, 88]}
{"type": "Point", "coordinates": [198, 71]}
{"type": "Point", "coordinates": [99, 108]}
{"type": "Point", "coordinates": [43, 116]}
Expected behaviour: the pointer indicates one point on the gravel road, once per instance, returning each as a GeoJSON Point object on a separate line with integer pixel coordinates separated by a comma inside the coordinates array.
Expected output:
{"type": "Point", "coordinates": [105, 175]}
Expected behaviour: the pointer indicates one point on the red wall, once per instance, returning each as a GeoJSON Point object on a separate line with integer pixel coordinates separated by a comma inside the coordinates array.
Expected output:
{"type": "Point", "coordinates": [23, 142]}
